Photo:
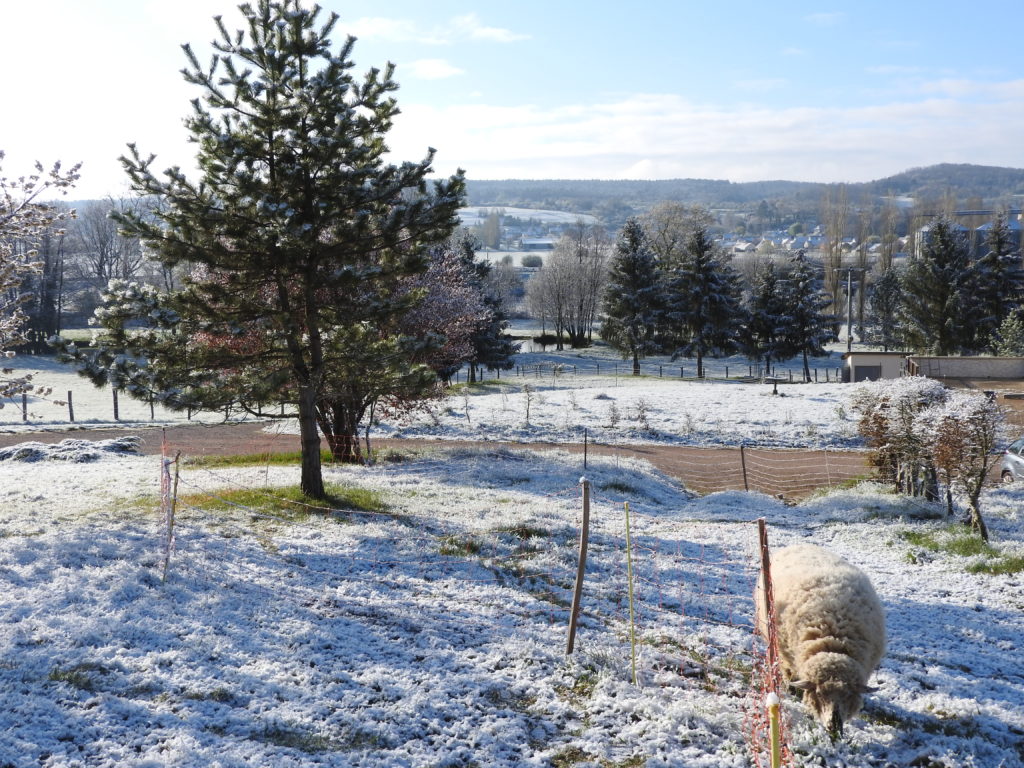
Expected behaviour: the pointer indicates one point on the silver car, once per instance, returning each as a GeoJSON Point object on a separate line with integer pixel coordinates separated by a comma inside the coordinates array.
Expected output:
{"type": "Point", "coordinates": [1013, 462]}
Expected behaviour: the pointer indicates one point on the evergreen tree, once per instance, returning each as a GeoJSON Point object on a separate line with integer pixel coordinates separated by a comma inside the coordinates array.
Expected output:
{"type": "Point", "coordinates": [767, 332]}
{"type": "Point", "coordinates": [938, 313]}
{"type": "Point", "coordinates": [810, 327]}
{"type": "Point", "coordinates": [1000, 282]}
{"type": "Point", "coordinates": [704, 308]}
{"type": "Point", "coordinates": [1008, 340]}
{"type": "Point", "coordinates": [886, 297]}
{"type": "Point", "coordinates": [299, 235]}
{"type": "Point", "coordinates": [633, 298]}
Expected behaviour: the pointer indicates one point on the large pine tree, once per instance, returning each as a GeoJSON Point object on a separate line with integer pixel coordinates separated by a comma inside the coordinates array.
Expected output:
{"type": "Point", "coordinates": [633, 296]}
{"type": "Point", "coordinates": [704, 309]}
{"type": "Point", "coordinates": [298, 235]}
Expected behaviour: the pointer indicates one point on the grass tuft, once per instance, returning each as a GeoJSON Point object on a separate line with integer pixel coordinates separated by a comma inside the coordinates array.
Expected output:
{"type": "Point", "coordinates": [289, 501]}
{"type": "Point", "coordinates": [960, 541]}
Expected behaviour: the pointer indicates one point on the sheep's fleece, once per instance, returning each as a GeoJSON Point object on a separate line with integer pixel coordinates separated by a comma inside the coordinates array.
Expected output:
{"type": "Point", "coordinates": [831, 629]}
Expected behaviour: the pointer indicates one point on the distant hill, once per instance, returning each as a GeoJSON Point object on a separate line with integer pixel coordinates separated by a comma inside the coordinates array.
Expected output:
{"type": "Point", "coordinates": [989, 182]}
{"type": "Point", "coordinates": [609, 198]}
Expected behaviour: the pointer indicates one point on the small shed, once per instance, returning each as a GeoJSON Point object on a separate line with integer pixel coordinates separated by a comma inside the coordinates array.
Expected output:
{"type": "Point", "coordinates": [872, 366]}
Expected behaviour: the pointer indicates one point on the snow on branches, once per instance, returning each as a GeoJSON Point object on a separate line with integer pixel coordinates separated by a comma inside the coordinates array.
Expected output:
{"type": "Point", "coordinates": [23, 219]}
{"type": "Point", "coordinates": [922, 432]}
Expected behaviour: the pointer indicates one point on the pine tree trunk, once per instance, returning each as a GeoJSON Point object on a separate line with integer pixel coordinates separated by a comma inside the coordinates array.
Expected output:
{"type": "Point", "coordinates": [636, 363]}
{"type": "Point", "coordinates": [700, 365]}
{"type": "Point", "coordinates": [312, 482]}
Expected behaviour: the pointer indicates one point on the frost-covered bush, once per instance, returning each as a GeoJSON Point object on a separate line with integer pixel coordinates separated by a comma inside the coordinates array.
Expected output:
{"type": "Point", "coordinates": [888, 422]}
{"type": "Point", "coordinates": [961, 434]}
{"type": "Point", "coordinates": [919, 430]}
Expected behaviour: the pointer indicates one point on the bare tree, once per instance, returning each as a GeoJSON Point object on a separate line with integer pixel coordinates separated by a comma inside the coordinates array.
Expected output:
{"type": "Point", "coordinates": [104, 254]}
{"type": "Point", "coordinates": [23, 221]}
{"type": "Point", "coordinates": [566, 293]}
{"type": "Point", "coordinates": [835, 210]}
{"type": "Point", "coordinates": [670, 225]}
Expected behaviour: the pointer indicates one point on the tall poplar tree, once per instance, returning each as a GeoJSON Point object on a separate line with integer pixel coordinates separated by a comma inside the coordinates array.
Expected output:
{"type": "Point", "coordinates": [633, 296]}
{"type": "Point", "coordinates": [297, 233]}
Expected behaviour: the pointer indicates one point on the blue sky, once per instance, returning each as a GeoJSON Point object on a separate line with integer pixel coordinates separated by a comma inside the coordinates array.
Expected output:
{"type": "Point", "coordinates": [564, 88]}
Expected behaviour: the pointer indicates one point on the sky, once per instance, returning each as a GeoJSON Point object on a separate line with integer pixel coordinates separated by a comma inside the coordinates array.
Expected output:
{"type": "Point", "coordinates": [651, 89]}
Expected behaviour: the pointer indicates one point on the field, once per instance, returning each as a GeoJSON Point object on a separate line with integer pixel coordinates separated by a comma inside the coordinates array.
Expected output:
{"type": "Point", "coordinates": [423, 620]}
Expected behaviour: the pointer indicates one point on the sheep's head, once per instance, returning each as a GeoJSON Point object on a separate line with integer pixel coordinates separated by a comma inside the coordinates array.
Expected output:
{"type": "Point", "coordinates": [833, 687]}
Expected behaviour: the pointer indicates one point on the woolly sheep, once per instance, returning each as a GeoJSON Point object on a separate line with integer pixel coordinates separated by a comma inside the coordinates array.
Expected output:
{"type": "Point", "coordinates": [831, 629]}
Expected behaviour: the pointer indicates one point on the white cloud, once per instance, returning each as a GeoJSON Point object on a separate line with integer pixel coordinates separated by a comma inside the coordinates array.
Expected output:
{"type": "Point", "coordinates": [664, 136]}
{"type": "Point", "coordinates": [467, 27]}
{"type": "Point", "coordinates": [394, 30]}
{"type": "Point", "coordinates": [471, 26]}
{"type": "Point", "coordinates": [434, 69]}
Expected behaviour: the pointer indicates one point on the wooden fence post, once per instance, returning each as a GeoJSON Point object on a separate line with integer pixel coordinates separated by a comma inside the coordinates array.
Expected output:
{"type": "Point", "coordinates": [581, 567]}
{"type": "Point", "coordinates": [116, 413]}
{"type": "Point", "coordinates": [24, 406]}
{"type": "Point", "coordinates": [71, 408]}
{"type": "Point", "coordinates": [743, 466]}
{"type": "Point", "coordinates": [769, 605]}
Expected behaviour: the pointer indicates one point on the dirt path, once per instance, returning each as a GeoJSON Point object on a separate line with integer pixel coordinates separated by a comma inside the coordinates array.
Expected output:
{"type": "Point", "coordinates": [792, 473]}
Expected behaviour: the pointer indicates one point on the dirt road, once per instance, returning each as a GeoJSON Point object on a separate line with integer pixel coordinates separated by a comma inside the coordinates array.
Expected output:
{"type": "Point", "coordinates": [792, 473]}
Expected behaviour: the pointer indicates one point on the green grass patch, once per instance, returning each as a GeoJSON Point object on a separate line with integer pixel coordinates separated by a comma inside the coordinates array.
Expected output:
{"type": "Point", "coordinates": [288, 501]}
{"type": "Point", "coordinates": [618, 485]}
{"type": "Point", "coordinates": [284, 459]}
{"type": "Point", "coordinates": [453, 546]}
{"type": "Point", "coordinates": [524, 531]}
{"type": "Point", "coordinates": [220, 695]}
{"type": "Point", "coordinates": [579, 692]}
{"type": "Point", "coordinates": [1001, 565]}
{"type": "Point", "coordinates": [571, 756]}
{"type": "Point", "coordinates": [953, 539]}
{"type": "Point", "coordinates": [961, 541]}
{"type": "Point", "coordinates": [294, 738]}
{"type": "Point", "coordinates": [80, 676]}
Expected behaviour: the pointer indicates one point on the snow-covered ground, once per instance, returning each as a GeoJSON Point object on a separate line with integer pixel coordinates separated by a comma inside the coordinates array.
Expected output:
{"type": "Point", "coordinates": [434, 634]}
{"type": "Point", "coordinates": [550, 397]}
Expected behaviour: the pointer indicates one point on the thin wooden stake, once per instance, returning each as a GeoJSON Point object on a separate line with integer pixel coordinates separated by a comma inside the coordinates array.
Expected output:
{"type": "Point", "coordinates": [24, 406]}
{"type": "Point", "coordinates": [766, 595]}
{"type": "Point", "coordinates": [581, 567]}
{"type": "Point", "coordinates": [629, 576]}
{"type": "Point", "coordinates": [71, 408]}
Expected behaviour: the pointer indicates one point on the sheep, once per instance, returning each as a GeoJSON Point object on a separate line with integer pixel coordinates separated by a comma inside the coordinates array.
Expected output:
{"type": "Point", "coordinates": [830, 627]}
